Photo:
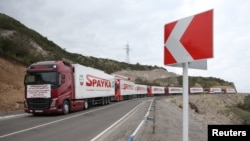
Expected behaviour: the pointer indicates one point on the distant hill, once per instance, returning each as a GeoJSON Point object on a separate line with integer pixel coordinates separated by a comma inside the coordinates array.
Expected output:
{"type": "Point", "coordinates": [161, 77]}
{"type": "Point", "coordinates": [26, 46]}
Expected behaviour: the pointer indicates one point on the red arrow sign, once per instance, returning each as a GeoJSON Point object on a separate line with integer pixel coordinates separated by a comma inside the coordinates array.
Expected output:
{"type": "Point", "coordinates": [189, 39]}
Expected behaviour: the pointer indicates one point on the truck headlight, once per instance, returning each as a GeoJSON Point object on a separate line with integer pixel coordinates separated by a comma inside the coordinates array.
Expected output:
{"type": "Point", "coordinates": [53, 103]}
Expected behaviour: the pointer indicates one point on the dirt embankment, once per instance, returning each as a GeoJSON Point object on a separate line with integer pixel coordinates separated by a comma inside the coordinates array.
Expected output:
{"type": "Point", "coordinates": [11, 85]}
{"type": "Point", "coordinates": [203, 110]}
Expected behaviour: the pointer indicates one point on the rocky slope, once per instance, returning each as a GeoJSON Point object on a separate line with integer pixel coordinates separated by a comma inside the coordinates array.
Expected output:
{"type": "Point", "coordinates": [147, 75]}
{"type": "Point", "coordinates": [11, 85]}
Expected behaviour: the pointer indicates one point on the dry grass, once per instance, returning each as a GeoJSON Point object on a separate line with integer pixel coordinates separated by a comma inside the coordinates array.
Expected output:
{"type": "Point", "coordinates": [11, 85]}
{"type": "Point", "coordinates": [213, 108]}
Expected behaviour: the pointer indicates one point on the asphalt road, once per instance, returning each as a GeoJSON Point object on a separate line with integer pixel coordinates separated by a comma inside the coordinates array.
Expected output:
{"type": "Point", "coordinates": [77, 126]}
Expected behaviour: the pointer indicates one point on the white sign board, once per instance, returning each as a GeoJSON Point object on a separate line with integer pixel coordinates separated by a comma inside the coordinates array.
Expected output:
{"type": "Point", "coordinates": [189, 39]}
{"type": "Point", "coordinates": [39, 91]}
{"type": "Point", "coordinates": [198, 64]}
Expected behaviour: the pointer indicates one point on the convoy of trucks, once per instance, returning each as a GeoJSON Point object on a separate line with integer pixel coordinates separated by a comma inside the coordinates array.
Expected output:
{"type": "Point", "coordinates": [62, 87]}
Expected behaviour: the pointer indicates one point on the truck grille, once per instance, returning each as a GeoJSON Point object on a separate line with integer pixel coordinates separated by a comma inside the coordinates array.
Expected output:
{"type": "Point", "coordinates": [38, 103]}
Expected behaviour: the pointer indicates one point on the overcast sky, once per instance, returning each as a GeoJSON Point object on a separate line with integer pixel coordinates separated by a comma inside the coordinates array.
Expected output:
{"type": "Point", "coordinates": [102, 28]}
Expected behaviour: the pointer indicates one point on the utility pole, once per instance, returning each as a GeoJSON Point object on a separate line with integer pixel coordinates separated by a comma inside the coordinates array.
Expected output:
{"type": "Point", "coordinates": [127, 53]}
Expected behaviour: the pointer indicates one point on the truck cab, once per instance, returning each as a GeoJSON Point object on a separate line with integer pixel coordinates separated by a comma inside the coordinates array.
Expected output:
{"type": "Point", "coordinates": [49, 87]}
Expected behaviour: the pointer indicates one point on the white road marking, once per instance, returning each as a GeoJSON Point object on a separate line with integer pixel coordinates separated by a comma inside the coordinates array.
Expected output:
{"type": "Point", "coordinates": [56, 121]}
{"type": "Point", "coordinates": [12, 116]}
{"type": "Point", "coordinates": [114, 124]}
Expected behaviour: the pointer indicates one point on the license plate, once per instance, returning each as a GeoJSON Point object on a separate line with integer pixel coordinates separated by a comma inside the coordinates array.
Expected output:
{"type": "Point", "coordinates": [38, 111]}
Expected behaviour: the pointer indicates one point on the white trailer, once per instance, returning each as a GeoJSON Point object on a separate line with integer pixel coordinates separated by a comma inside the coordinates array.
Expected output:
{"type": "Point", "coordinates": [229, 91]}
{"type": "Point", "coordinates": [93, 85]}
{"type": "Point", "coordinates": [140, 90]}
{"type": "Point", "coordinates": [213, 90]}
{"type": "Point", "coordinates": [174, 90]}
{"type": "Point", "coordinates": [127, 89]}
{"type": "Point", "coordinates": [196, 90]}
{"type": "Point", "coordinates": [158, 90]}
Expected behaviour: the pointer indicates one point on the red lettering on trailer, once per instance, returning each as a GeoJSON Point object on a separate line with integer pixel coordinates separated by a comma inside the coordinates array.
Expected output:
{"type": "Point", "coordinates": [175, 89]}
{"type": "Point", "coordinates": [158, 89]}
{"type": "Point", "coordinates": [229, 90]}
{"type": "Point", "coordinates": [138, 88]}
{"type": "Point", "coordinates": [196, 90]}
{"type": "Point", "coordinates": [127, 87]}
{"type": "Point", "coordinates": [94, 81]}
{"type": "Point", "coordinates": [214, 90]}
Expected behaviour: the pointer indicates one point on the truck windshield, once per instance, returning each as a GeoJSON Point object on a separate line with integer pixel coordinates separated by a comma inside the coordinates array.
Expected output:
{"type": "Point", "coordinates": [37, 78]}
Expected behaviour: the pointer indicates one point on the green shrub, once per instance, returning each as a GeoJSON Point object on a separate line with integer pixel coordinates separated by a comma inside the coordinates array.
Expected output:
{"type": "Point", "coordinates": [242, 114]}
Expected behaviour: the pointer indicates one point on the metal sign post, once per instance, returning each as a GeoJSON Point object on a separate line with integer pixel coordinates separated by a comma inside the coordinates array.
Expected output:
{"type": "Point", "coordinates": [185, 101]}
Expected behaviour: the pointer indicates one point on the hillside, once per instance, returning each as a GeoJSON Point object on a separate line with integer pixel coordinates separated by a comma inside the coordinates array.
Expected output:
{"type": "Point", "coordinates": [162, 77]}
{"type": "Point", "coordinates": [27, 46]}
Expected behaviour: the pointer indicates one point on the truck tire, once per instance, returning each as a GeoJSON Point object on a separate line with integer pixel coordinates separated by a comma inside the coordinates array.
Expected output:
{"type": "Point", "coordinates": [86, 104]}
{"type": "Point", "coordinates": [103, 101]}
{"type": "Point", "coordinates": [65, 107]}
{"type": "Point", "coordinates": [109, 100]}
{"type": "Point", "coordinates": [106, 100]}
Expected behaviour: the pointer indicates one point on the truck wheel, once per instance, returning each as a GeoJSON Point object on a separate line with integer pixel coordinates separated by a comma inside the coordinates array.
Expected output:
{"type": "Point", "coordinates": [86, 104]}
{"type": "Point", "coordinates": [109, 100]}
{"type": "Point", "coordinates": [103, 101]}
{"type": "Point", "coordinates": [65, 107]}
{"type": "Point", "coordinates": [106, 100]}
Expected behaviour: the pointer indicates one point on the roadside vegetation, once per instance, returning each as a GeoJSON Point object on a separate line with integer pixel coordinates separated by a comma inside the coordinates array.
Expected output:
{"type": "Point", "coordinates": [207, 82]}
{"type": "Point", "coordinates": [243, 110]}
